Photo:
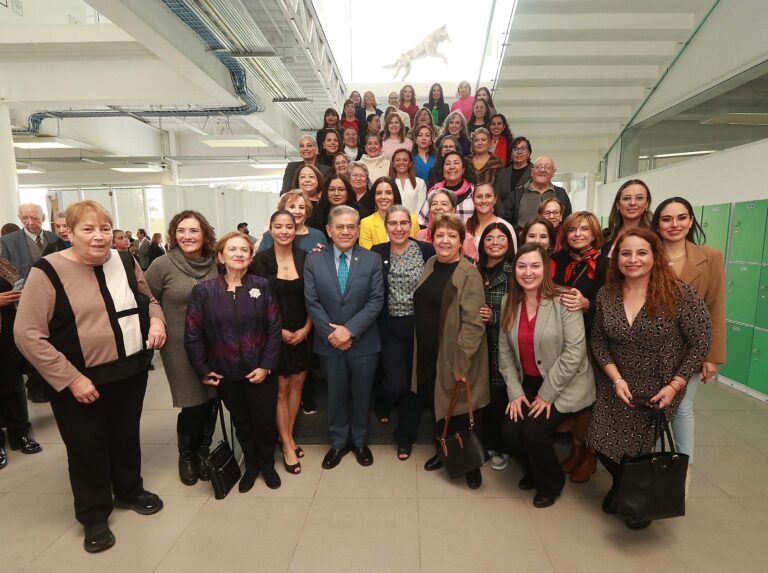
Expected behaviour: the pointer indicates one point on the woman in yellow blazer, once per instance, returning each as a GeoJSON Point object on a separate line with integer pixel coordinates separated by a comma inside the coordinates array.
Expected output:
{"type": "Point", "coordinates": [373, 230]}
{"type": "Point", "coordinates": [702, 268]}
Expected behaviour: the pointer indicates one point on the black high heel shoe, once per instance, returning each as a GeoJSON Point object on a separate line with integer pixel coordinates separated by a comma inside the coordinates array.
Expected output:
{"type": "Point", "coordinates": [294, 469]}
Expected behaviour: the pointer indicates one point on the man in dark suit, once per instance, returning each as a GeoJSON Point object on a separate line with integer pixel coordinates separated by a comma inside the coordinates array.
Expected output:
{"type": "Point", "coordinates": [25, 246]}
{"type": "Point", "coordinates": [140, 248]}
{"type": "Point", "coordinates": [344, 293]}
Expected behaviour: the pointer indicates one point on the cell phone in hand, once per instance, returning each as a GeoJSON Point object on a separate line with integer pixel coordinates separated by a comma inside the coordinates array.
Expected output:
{"type": "Point", "coordinates": [644, 401]}
{"type": "Point", "coordinates": [18, 284]}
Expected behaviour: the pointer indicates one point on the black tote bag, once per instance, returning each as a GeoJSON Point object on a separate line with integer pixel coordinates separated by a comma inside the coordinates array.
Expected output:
{"type": "Point", "coordinates": [652, 486]}
{"type": "Point", "coordinates": [462, 451]}
{"type": "Point", "coordinates": [221, 463]}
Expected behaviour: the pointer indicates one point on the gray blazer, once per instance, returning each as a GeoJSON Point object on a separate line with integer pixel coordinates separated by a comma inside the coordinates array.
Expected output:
{"type": "Point", "coordinates": [561, 356]}
{"type": "Point", "coordinates": [357, 308]}
{"type": "Point", "coordinates": [14, 248]}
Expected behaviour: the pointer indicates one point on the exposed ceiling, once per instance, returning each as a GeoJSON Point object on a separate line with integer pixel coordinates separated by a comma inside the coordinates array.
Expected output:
{"type": "Point", "coordinates": [575, 70]}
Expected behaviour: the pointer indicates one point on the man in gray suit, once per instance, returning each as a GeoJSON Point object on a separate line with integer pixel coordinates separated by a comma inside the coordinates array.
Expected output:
{"type": "Point", "coordinates": [141, 248]}
{"type": "Point", "coordinates": [25, 246]}
{"type": "Point", "coordinates": [344, 293]}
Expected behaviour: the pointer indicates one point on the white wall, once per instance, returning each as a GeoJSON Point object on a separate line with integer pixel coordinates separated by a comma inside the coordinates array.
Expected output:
{"type": "Point", "coordinates": [733, 175]}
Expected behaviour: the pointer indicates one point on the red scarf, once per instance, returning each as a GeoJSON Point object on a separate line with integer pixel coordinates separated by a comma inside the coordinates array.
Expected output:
{"type": "Point", "coordinates": [501, 150]}
{"type": "Point", "coordinates": [589, 256]}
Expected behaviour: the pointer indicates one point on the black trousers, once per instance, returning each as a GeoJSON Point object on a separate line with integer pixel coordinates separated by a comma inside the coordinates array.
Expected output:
{"type": "Point", "coordinates": [253, 409]}
{"type": "Point", "coordinates": [103, 447]}
{"type": "Point", "coordinates": [614, 468]}
{"type": "Point", "coordinates": [195, 425]}
{"type": "Point", "coordinates": [532, 442]}
{"type": "Point", "coordinates": [397, 361]}
{"type": "Point", "coordinates": [14, 415]}
{"type": "Point", "coordinates": [494, 415]}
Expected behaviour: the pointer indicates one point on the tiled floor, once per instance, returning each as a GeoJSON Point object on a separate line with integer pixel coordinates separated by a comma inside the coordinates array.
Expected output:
{"type": "Point", "coordinates": [394, 516]}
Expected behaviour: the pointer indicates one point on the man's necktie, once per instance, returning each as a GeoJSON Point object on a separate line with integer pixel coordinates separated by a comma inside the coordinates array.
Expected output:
{"type": "Point", "coordinates": [343, 271]}
{"type": "Point", "coordinates": [39, 242]}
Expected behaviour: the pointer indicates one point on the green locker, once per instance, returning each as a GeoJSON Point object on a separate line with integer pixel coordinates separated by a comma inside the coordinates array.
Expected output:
{"type": "Point", "coordinates": [716, 225]}
{"type": "Point", "coordinates": [761, 314]}
{"type": "Point", "coordinates": [765, 245]}
{"type": "Point", "coordinates": [758, 368]}
{"type": "Point", "coordinates": [739, 353]}
{"type": "Point", "coordinates": [749, 220]}
{"type": "Point", "coordinates": [741, 288]}
{"type": "Point", "coordinates": [698, 212]}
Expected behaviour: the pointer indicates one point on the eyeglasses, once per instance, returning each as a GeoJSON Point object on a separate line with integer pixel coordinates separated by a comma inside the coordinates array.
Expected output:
{"type": "Point", "coordinates": [519, 149]}
{"type": "Point", "coordinates": [635, 198]}
{"type": "Point", "coordinates": [543, 167]}
{"type": "Point", "coordinates": [401, 224]}
{"type": "Point", "coordinates": [497, 239]}
{"type": "Point", "coordinates": [340, 228]}
{"type": "Point", "coordinates": [551, 213]}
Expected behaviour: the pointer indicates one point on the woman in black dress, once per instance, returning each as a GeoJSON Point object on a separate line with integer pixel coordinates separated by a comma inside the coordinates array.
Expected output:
{"type": "Point", "coordinates": [283, 265]}
{"type": "Point", "coordinates": [580, 266]}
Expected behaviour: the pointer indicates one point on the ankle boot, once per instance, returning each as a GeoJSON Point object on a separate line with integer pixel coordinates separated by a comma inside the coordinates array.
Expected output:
{"type": "Point", "coordinates": [187, 461]}
{"type": "Point", "coordinates": [586, 468]}
{"type": "Point", "coordinates": [204, 449]}
{"type": "Point", "coordinates": [3, 454]}
{"type": "Point", "coordinates": [578, 451]}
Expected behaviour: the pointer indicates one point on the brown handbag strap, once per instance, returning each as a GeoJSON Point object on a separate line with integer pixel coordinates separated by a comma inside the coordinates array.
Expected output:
{"type": "Point", "coordinates": [452, 407]}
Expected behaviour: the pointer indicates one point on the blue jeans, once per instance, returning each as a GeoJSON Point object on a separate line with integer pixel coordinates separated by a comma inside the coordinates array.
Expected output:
{"type": "Point", "coordinates": [682, 423]}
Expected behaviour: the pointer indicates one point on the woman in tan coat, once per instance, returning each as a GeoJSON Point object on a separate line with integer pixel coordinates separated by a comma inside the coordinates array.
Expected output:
{"type": "Point", "coordinates": [702, 268]}
{"type": "Point", "coordinates": [449, 295]}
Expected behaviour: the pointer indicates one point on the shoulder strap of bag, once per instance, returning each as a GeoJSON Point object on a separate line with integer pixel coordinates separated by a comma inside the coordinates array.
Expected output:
{"type": "Point", "coordinates": [661, 430]}
{"type": "Point", "coordinates": [452, 407]}
{"type": "Point", "coordinates": [220, 408]}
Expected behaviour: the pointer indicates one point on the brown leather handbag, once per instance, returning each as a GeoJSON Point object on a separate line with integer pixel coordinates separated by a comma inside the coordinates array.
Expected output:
{"type": "Point", "coordinates": [462, 451]}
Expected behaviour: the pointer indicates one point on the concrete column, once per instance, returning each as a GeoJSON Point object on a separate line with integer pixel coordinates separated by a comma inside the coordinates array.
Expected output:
{"type": "Point", "coordinates": [9, 181]}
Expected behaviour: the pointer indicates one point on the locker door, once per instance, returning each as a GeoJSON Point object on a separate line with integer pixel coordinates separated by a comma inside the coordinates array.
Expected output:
{"type": "Point", "coordinates": [758, 368]}
{"type": "Point", "coordinates": [716, 223]}
{"type": "Point", "coordinates": [741, 292]}
{"type": "Point", "coordinates": [698, 212]}
{"type": "Point", "coordinates": [739, 353]}
{"type": "Point", "coordinates": [748, 231]}
{"type": "Point", "coordinates": [761, 314]}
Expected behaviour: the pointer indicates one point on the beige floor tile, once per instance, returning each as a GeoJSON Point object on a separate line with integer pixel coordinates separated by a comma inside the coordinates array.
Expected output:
{"type": "Point", "coordinates": [142, 541]}
{"type": "Point", "coordinates": [30, 523]}
{"type": "Point", "coordinates": [437, 484]}
{"type": "Point", "coordinates": [161, 475]}
{"type": "Point", "coordinates": [302, 485]}
{"type": "Point", "coordinates": [711, 432]}
{"type": "Point", "coordinates": [43, 424]}
{"type": "Point", "coordinates": [737, 470]}
{"type": "Point", "coordinates": [757, 506]}
{"type": "Point", "coordinates": [579, 538]}
{"type": "Point", "coordinates": [485, 535]}
{"type": "Point", "coordinates": [158, 427]}
{"type": "Point", "coordinates": [718, 397]}
{"type": "Point", "coordinates": [748, 426]}
{"type": "Point", "coordinates": [717, 535]}
{"type": "Point", "coordinates": [239, 534]}
{"type": "Point", "coordinates": [54, 477]}
{"type": "Point", "coordinates": [702, 486]}
{"type": "Point", "coordinates": [597, 486]}
{"type": "Point", "coordinates": [23, 468]}
{"type": "Point", "coordinates": [355, 535]}
{"type": "Point", "coordinates": [387, 477]}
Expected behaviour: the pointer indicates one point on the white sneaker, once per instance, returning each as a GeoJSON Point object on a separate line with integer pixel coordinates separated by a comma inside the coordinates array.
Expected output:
{"type": "Point", "coordinates": [499, 461]}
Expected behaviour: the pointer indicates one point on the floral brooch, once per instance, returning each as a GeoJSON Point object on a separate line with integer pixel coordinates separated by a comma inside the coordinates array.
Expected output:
{"type": "Point", "coordinates": [254, 292]}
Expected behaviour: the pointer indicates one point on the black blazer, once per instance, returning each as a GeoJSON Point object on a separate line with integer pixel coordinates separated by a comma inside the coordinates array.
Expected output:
{"type": "Point", "coordinates": [294, 166]}
{"type": "Point", "coordinates": [384, 251]}
{"type": "Point", "coordinates": [264, 263]}
{"type": "Point", "coordinates": [442, 112]}
{"type": "Point", "coordinates": [580, 281]}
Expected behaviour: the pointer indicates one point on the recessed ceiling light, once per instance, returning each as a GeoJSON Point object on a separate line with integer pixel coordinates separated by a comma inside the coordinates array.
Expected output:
{"type": "Point", "coordinates": [268, 165]}
{"type": "Point", "coordinates": [139, 169]}
{"type": "Point", "coordinates": [29, 170]}
{"type": "Point", "coordinates": [43, 143]}
{"type": "Point", "coordinates": [234, 141]}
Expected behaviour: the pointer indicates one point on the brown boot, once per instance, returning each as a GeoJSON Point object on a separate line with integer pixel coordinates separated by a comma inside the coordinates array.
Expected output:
{"type": "Point", "coordinates": [586, 468]}
{"type": "Point", "coordinates": [578, 451]}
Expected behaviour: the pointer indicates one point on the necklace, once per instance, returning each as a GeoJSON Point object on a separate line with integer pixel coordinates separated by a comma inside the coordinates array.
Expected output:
{"type": "Point", "coordinates": [673, 260]}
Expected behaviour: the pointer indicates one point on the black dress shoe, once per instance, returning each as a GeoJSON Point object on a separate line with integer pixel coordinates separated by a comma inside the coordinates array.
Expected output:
{"type": "Point", "coordinates": [37, 396]}
{"type": "Point", "coordinates": [608, 507]}
{"type": "Point", "coordinates": [3, 454]}
{"type": "Point", "coordinates": [146, 503]}
{"type": "Point", "coordinates": [98, 537]}
{"type": "Point", "coordinates": [271, 478]}
{"type": "Point", "coordinates": [247, 481]}
{"type": "Point", "coordinates": [202, 469]}
{"type": "Point", "coordinates": [333, 457]}
{"type": "Point", "coordinates": [542, 501]}
{"type": "Point", "coordinates": [188, 467]}
{"type": "Point", "coordinates": [637, 524]}
{"type": "Point", "coordinates": [364, 456]}
{"type": "Point", "coordinates": [433, 463]}
{"type": "Point", "coordinates": [526, 483]}
{"type": "Point", "coordinates": [474, 479]}
{"type": "Point", "coordinates": [24, 442]}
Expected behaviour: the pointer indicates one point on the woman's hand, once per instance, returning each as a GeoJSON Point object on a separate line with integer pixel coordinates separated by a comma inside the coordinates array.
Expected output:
{"type": "Point", "coordinates": [486, 313]}
{"type": "Point", "coordinates": [287, 336]}
{"type": "Point", "coordinates": [573, 300]}
{"type": "Point", "coordinates": [621, 388]}
{"type": "Point", "coordinates": [515, 408]}
{"type": "Point", "coordinates": [538, 406]}
{"type": "Point", "coordinates": [84, 391]}
{"type": "Point", "coordinates": [708, 370]}
{"type": "Point", "coordinates": [156, 337]}
{"type": "Point", "coordinates": [664, 397]}
{"type": "Point", "coordinates": [9, 297]}
{"type": "Point", "coordinates": [257, 376]}
{"type": "Point", "coordinates": [212, 379]}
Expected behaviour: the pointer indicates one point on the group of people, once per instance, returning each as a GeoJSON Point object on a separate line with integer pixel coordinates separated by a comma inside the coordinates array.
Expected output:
{"type": "Point", "coordinates": [404, 293]}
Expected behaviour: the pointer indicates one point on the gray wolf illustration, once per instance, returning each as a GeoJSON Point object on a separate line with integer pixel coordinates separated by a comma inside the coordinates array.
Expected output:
{"type": "Point", "coordinates": [427, 47]}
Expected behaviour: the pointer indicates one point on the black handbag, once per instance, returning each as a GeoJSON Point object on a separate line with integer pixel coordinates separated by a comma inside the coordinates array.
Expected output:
{"type": "Point", "coordinates": [462, 451]}
{"type": "Point", "coordinates": [221, 463]}
{"type": "Point", "coordinates": [652, 486]}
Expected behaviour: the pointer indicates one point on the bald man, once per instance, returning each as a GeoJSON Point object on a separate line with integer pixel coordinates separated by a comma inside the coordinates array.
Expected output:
{"type": "Point", "coordinates": [25, 246]}
{"type": "Point", "coordinates": [522, 204]}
